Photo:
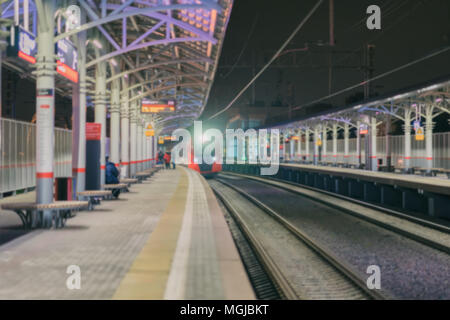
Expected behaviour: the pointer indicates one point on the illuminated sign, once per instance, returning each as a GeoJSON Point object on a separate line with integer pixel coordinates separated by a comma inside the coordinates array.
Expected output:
{"type": "Point", "coordinates": [150, 133]}
{"type": "Point", "coordinates": [149, 106]}
{"type": "Point", "coordinates": [319, 142]}
{"type": "Point", "coordinates": [67, 63]}
{"type": "Point", "coordinates": [417, 124]}
{"type": "Point", "coordinates": [420, 136]}
{"type": "Point", "coordinates": [93, 131]}
{"type": "Point", "coordinates": [295, 138]}
{"type": "Point", "coordinates": [161, 140]}
{"type": "Point", "coordinates": [363, 129]}
{"type": "Point", "coordinates": [22, 44]}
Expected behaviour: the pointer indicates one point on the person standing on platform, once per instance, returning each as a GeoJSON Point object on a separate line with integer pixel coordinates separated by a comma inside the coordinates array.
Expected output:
{"type": "Point", "coordinates": [160, 157]}
{"type": "Point", "coordinates": [167, 159]}
{"type": "Point", "coordinates": [112, 176]}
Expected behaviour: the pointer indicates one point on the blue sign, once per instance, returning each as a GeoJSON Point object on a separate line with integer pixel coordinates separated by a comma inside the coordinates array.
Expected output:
{"type": "Point", "coordinates": [67, 64]}
{"type": "Point", "coordinates": [22, 44]}
{"type": "Point", "coordinates": [67, 54]}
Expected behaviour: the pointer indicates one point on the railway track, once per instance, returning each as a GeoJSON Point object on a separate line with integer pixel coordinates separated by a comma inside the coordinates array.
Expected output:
{"type": "Point", "coordinates": [328, 277]}
{"type": "Point", "coordinates": [412, 267]}
{"type": "Point", "coordinates": [441, 228]}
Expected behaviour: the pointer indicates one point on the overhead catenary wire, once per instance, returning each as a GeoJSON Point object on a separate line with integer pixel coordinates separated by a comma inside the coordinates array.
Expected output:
{"type": "Point", "coordinates": [299, 27]}
{"type": "Point", "coordinates": [433, 54]}
{"type": "Point", "coordinates": [243, 48]}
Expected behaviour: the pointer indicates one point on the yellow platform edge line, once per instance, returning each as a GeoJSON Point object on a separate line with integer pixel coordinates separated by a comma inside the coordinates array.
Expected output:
{"type": "Point", "coordinates": [147, 277]}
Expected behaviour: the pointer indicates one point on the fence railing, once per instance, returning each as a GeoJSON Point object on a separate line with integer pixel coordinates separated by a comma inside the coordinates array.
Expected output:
{"type": "Point", "coordinates": [18, 155]}
{"type": "Point", "coordinates": [441, 151]}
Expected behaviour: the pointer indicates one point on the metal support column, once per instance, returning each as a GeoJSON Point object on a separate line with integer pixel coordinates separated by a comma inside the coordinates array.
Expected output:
{"type": "Point", "coordinates": [346, 144]}
{"type": "Point", "coordinates": [335, 134]}
{"type": "Point", "coordinates": [79, 116]}
{"type": "Point", "coordinates": [45, 105]}
{"type": "Point", "coordinates": [429, 137]}
{"type": "Point", "coordinates": [358, 143]}
{"type": "Point", "coordinates": [100, 114]}
{"type": "Point", "coordinates": [133, 129]}
{"type": "Point", "coordinates": [407, 129]}
{"type": "Point", "coordinates": [125, 133]}
{"type": "Point", "coordinates": [307, 136]}
{"type": "Point", "coordinates": [388, 143]}
{"type": "Point", "coordinates": [373, 144]}
{"type": "Point", "coordinates": [115, 123]}
{"type": "Point", "coordinates": [299, 146]}
{"type": "Point", "coordinates": [139, 151]}
{"type": "Point", "coordinates": [324, 144]}
{"type": "Point", "coordinates": [316, 146]}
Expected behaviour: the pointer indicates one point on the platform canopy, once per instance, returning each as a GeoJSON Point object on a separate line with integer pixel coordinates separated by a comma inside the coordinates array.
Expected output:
{"type": "Point", "coordinates": [165, 49]}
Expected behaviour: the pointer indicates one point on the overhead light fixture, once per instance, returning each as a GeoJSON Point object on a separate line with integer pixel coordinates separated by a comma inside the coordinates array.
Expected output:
{"type": "Point", "coordinates": [97, 44]}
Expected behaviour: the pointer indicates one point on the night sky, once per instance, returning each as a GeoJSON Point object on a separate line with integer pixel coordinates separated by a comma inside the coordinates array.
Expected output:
{"type": "Point", "coordinates": [410, 30]}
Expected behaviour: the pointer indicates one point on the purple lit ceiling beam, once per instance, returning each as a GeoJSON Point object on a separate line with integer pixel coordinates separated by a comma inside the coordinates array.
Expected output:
{"type": "Point", "coordinates": [147, 33]}
{"type": "Point", "coordinates": [166, 88]}
{"type": "Point", "coordinates": [124, 14]}
{"type": "Point", "coordinates": [153, 65]}
{"type": "Point", "coordinates": [174, 21]}
{"type": "Point", "coordinates": [152, 80]}
{"type": "Point", "coordinates": [141, 46]}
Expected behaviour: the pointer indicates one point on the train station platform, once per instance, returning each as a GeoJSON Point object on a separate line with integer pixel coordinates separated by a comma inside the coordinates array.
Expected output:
{"type": "Point", "coordinates": [166, 239]}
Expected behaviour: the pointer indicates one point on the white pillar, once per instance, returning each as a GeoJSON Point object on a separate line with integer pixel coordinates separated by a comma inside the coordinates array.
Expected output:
{"type": "Point", "coordinates": [358, 143]}
{"type": "Point", "coordinates": [307, 136]}
{"type": "Point", "coordinates": [299, 146]}
{"type": "Point", "coordinates": [407, 128]}
{"type": "Point", "coordinates": [346, 143]}
{"type": "Point", "coordinates": [429, 137]}
{"type": "Point", "coordinates": [45, 106]}
{"type": "Point", "coordinates": [139, 151]}
{"type": "Point", "coordinates": [154, 149]}
{"type": "Point", "coordinates": [373, 136]}
{"type": "Point", "coordinates": [100, 114]}
{"type": "Point", "coordinates": [115, 123]}
{"type": "Point", "coordinates": [388, 143]}
{"type": "Point", "coordinates": [125, 134]}
{"type": "Point", "coordinates": [335, 134]}
{"type": "Point", "coordinates": [316, 146]}
{"type": "Point", "coordinates": [292, 147]}
{"type": "Point", "coordinates": [324, 144]}
{"type": "Point", "coordinates": [133, 132]}
{"type": "Point", "coordinates": [79, 117]}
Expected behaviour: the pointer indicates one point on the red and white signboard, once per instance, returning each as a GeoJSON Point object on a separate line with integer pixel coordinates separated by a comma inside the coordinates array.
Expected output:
{"type": "Point", "coordinates": [93, 131]}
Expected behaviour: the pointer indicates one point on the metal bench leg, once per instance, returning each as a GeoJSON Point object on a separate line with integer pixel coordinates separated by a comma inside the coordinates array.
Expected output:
{"type": "Point", "coordinates": [22, 217]}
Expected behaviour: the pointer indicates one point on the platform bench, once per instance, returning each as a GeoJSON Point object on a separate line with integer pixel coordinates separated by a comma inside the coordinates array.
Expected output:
{"type": "Point", "coordinates": [94, 197]}
{"type": "Point", "coordinates": [121, 186]}
{"type": "Point", "coordinates": [141, 176]}
{"type": "Point", "coordinates": [32, 214]}
{"type": "Point", "coordinates": [128, 182]}
{"type": "Point", "coordinates": [447, 172]}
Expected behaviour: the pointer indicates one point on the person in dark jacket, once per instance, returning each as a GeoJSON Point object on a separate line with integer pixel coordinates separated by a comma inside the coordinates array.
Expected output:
{"type": "Point", "coordinates": [160, 157]}
{"type": "Point", "coordinates": [112, 176]}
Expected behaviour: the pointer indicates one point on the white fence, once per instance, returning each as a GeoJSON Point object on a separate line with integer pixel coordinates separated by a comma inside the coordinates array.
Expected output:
{"type": "Point", "coordinates": [18, 155]}
{"type": "Point", "coordinates": [441, 150]}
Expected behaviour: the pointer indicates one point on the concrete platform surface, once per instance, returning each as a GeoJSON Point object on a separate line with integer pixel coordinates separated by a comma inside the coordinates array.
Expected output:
{"type": "Point", "coordinates": [166, 239]}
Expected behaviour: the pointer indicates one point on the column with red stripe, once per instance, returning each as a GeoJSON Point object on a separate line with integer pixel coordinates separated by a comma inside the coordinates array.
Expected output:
{"type": "Point", "coordinates": [124, 131]}
{"type": "Point", "coordinates": [100, 113]}
{"type": "Point", "coordinates": [45, 106]}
